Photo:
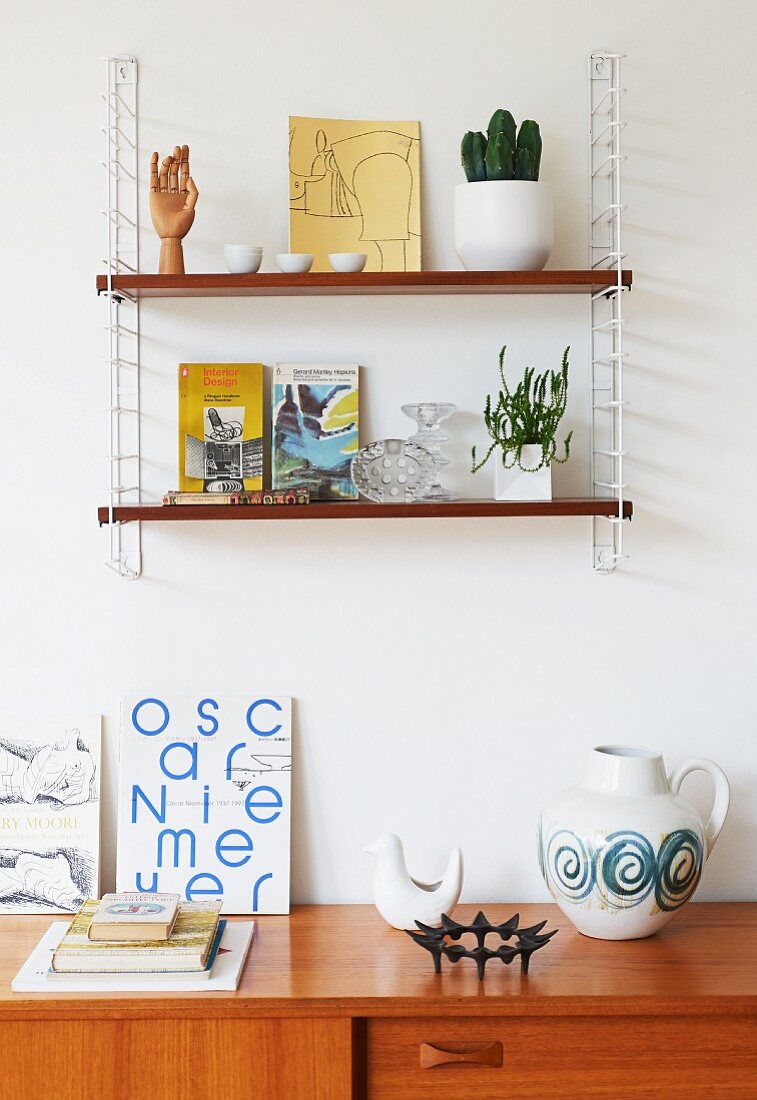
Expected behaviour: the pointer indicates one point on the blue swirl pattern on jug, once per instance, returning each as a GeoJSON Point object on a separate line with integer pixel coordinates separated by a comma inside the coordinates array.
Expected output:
{"type": "Point", "coordinates": [568, 863]}
{"type": "Point", "coordinates": [622, 869]}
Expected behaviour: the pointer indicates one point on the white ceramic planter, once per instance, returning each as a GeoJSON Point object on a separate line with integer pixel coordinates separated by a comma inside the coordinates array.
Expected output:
{"type": "Point", "coordinates": [504, 225]}
{"type": "Point", "coordinates": [516, 484]}
{"type": "Point", "coordinates": [623, 851]}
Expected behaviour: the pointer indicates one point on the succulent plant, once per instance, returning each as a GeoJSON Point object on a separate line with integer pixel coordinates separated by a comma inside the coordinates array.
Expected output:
{"type": "Point", "coordinates": [503, 152]}
{"type": "Point", "coordinates": [528, 414]}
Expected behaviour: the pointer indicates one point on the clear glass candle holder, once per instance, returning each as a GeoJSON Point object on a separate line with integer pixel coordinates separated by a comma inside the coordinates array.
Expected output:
{"type": "Point", "coordinates": [428, 416]}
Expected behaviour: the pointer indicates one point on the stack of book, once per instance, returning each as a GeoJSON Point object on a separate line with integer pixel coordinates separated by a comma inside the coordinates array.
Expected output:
{"type": "Point", "coordinates": [130, 942]}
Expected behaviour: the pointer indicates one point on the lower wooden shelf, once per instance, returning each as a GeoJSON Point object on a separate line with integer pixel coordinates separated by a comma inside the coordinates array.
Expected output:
{"type": "Point", "coordinates": [314, 1019]}
{"type": "Point", "coordinates": [361, 509]}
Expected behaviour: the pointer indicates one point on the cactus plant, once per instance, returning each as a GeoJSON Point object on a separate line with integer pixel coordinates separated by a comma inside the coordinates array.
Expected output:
{"type": "Point", "coordinates": [503, 153]}
{"type": "Point", "coordinates": [498, 159]}
{"type": "Point", "coordinates": [473, 152]}
{"type": "Point", "coordinates": [528, 414]}
{"type": "Point", "coordinates": [502, 122]}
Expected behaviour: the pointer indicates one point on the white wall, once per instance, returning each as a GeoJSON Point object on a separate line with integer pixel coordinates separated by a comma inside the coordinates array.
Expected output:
{"type": "Point", "coordinates": [448, 675]}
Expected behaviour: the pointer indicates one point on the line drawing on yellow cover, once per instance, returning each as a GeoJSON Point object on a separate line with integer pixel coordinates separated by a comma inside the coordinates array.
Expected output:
{"type": "Point", "coordinates": [220, 427]}
{"type": "Point", "coordinates": [354, 186]}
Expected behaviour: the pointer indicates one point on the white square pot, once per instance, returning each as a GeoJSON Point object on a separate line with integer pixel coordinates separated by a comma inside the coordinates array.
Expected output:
{"type": "Point", "coordinates": [516, 484]}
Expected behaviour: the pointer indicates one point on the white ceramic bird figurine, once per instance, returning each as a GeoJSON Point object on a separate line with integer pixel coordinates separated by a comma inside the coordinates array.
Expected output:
{"type": "Point", "coordinates": [402, 900]}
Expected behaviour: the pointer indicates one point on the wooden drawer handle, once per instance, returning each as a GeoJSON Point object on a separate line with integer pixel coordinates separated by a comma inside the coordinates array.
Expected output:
{"type": "Point", "coordinates": [479, 1054]}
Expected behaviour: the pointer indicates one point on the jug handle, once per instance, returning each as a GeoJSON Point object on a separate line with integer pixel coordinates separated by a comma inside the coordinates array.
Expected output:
{"type": "Point", "coordinates": [722, 794]}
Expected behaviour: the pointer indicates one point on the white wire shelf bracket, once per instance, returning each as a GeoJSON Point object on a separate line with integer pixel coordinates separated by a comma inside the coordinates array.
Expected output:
{"type": "Point", "coordinates": [118, 218]}
{"type": "Point", "coordinates": [609, 126]}
{"type": "Point", "coordinates": [114, 99]}
{"type": "Point", "coordinates": [123, 330]}
{"type": "Point", "coordinates": [115, 263]}
{"type": "Point", "coordinates": [615, 90]}
{"type": "Point", "coordinates": [121, 170]}
{"type": "Point", "coordinates": [119, 358]}
{"type": "Point", "coordinates": [117, 133]}
{"type": "Point", "coordinates": [610, 258]}
{"type": "Point", "coordinates": [607, 322]}
{"type": "Point", "coordinates": [609, 212]}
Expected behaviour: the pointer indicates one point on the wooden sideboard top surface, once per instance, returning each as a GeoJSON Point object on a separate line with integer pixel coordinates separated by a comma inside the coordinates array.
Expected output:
{"type": "Point", "coordinates": [331, 961]}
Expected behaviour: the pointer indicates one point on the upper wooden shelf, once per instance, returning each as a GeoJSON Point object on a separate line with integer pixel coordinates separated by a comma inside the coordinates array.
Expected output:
{"type": "Point", "coordinates": [365, 509]}
{"type": "Point", "coordinates": [394, 282]}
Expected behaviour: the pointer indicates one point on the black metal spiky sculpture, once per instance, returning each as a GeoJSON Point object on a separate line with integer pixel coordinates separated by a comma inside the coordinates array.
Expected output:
{"type": "Point", "coordinates": [435, 940]}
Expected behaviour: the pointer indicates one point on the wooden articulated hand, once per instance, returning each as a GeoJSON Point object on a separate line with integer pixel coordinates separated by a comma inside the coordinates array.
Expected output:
{"type": "Point", "coordinates": [173, 197]}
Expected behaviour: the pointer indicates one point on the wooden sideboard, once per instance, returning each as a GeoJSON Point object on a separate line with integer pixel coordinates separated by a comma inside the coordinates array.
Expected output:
{"type": "Point", "coordinates": [334, 1005]}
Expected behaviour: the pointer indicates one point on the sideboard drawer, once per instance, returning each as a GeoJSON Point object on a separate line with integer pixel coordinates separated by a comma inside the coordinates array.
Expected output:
{"type": "Point", "coordinates": [563, 1058]}
{"type": "Point", "coordinates": [175, 1058]}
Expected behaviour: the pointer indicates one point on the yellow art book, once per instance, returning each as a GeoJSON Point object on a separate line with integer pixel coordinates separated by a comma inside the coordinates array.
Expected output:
{"type": "Point", "coordinates": [220, 427]}
{"type": "Point", "coordinates": [187, 947]}
{"type": "Point", "coordinates": [355, 186]}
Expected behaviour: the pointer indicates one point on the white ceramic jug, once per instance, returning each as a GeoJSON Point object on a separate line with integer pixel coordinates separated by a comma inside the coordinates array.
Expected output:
{"type": "Point", "coordinates": [623, 851]}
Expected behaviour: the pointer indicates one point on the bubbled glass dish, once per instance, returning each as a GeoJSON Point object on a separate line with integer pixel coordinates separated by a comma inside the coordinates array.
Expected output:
{"type": "Point", "coordinates": [393, 471]}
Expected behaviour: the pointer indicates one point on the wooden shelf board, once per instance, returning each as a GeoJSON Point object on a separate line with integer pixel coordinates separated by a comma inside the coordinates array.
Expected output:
{"type": "Point", "coordinates": [395, 282]}
{"type": "Point", "coordinates": [305, 965]}
{"type": "Point", "coordinates": [360, 509]}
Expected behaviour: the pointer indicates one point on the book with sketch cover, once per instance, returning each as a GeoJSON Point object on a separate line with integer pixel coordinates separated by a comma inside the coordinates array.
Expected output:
{"type": "Point", "coordinates": [315, 428]}
{"type": "Point", "coordinates": [355, 186]}
{"type": "Point", "coordinates": [220, 427]}
{"type": "Point", "coordinates": [49, 812]}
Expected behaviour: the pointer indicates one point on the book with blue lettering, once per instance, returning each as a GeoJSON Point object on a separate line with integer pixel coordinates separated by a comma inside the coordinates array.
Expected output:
{"type": "Point", "coordinates": [204, 799]}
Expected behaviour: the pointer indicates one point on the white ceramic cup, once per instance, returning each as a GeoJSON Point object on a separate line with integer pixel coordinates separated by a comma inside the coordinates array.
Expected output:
{"type": "Point", "coordinates": [348, 262]}
{"type": "Point", "coordinates": [243, 263]}
{"type": "Point", "coordinates": [243, 259]}
{"type": "Point", "coordinates": [294, 263]}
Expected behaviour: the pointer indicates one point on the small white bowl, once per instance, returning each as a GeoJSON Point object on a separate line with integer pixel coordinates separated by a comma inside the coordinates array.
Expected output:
{"type": "Point", "coordinates": [243, 263]}
{"type": "Point", "coordinates": [294, 263]}
{"type": "Point", "coordinates": [348, 262]}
